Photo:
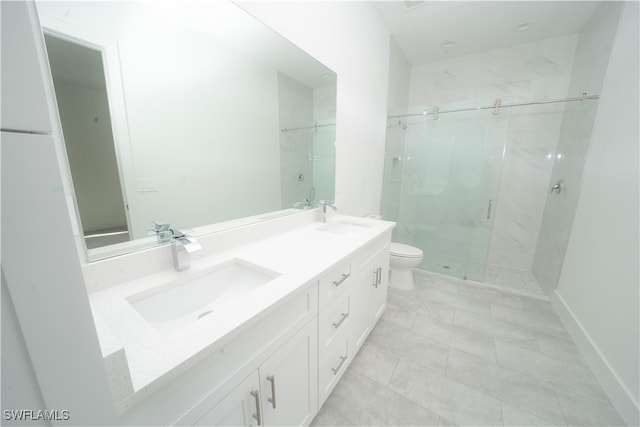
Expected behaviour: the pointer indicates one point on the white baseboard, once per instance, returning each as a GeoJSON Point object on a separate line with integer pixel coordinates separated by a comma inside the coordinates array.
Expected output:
{"type": "Point", "coordinates": [620, 396]}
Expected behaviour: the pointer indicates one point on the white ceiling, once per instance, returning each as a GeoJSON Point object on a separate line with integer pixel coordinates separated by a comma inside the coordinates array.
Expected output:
{"type": "Point", "coordinates": [477, 26]}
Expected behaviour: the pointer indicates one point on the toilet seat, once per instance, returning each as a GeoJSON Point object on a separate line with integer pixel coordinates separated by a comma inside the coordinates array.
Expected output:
{"type": "Point", "coordinates": [404, 251]}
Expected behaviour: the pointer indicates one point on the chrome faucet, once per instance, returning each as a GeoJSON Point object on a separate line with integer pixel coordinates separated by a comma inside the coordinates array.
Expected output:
{"type": "Point", "coordinates": [183, 245]}
{"type": "Point", "coordinates": [307, 203]}
{"type": "Point", "coordinates": [324, 204]}
{"type": "Point", "coordinates": [162, 230]}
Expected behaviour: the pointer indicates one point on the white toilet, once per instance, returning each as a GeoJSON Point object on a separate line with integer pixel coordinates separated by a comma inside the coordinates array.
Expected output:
{"type": "Point", "coordinates": [403, 259]}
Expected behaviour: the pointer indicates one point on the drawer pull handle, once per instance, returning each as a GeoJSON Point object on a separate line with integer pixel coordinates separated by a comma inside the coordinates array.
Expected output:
{"type": "Point", "coordinates": [337, 368]}
{"type": "Point", "coordinates": [343, 317]}
{"type": "Point", "coordinates": [272, 399]}
{"type": "Point", "coordinates": [344, 277]}
{"type": "Point", "coordinates": [257, 414]}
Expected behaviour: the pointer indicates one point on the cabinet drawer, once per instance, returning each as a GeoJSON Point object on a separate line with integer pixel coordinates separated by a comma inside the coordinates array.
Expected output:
{"type": "Point", "coordinates": [332, 368]}
{"type": "Point", "coordinates": [334, 323]}
{"type": "Point", "coordinates": [334, 283]}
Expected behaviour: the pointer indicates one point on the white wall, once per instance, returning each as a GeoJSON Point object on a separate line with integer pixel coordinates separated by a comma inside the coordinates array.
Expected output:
{"type": "Point", "coordinates": [349, 38]}
{"type": "Point", "coordinates": [399, 78]}
{"type": "Point", "coordinates": [597, 293]}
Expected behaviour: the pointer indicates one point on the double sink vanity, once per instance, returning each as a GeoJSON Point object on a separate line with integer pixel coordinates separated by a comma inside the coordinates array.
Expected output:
{"type": "Point", "coordinates": [257, 332]}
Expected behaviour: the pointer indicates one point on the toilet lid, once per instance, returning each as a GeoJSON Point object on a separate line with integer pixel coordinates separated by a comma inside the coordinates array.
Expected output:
{"type": "Point", "coordinates": [405, 251]}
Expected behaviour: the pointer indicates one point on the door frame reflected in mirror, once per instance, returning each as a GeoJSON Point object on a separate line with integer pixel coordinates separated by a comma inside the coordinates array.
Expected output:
{"type": "Point", "coordinates": [108, 50]}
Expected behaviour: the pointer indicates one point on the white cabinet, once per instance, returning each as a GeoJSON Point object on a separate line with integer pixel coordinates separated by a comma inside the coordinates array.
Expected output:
{"type": "Point", "coordinates": [289, 382]}
{"type": "Point", "coordinates": [279, 371]}
{"type": "Point", "coordinates": [334, 325]}
{"type": "Point", "coordinates": [352, 297]}
{"type": "Point", "coordinates": [332, 367]}
{"type": "Point", "coordinates": [334, 283]}
{"type": "Point", "coordinates": [370, 290]}
{"type": "Point", "coordinates": [283, 391]}
{"type": "Point", "coordinates": [241, 407]}
{"type": "Point", "coordinates": [380, 285]}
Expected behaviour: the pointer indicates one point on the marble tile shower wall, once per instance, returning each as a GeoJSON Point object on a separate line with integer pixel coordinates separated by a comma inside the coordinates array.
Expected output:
{"type": "Point", "coordinates": [590, 66]}
{"type": "Point", "coordinates": [295, 110]}
{"type": "Point", "coordinates": [528, 162]}
{"type": "Point", "coordinates": [537, 70]}
{"type": "Point", "coordinates": [560, 209]}
{"type": "Point", "coordinates": [521, 72]}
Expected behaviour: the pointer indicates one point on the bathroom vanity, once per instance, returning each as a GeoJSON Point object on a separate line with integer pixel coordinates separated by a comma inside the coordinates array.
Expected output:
{"type": "Point", "coordinates": [258, 332]}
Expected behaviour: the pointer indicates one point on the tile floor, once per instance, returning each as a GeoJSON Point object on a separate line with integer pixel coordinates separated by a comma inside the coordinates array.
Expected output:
{"type": "Point", "coordinates": [452, 353]}
{"type": "Point", "coordinates": [518, 280]}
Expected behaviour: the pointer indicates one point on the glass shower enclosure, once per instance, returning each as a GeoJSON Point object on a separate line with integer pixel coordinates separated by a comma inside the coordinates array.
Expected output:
{"type": "Point", "coordinates": [444, 171]}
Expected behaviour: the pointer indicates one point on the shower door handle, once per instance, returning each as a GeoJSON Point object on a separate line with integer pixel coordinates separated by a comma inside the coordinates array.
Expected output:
{"type": "Point", "coordinates": [489, 208]}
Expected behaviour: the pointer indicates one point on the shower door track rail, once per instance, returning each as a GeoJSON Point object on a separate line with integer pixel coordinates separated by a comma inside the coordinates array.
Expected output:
{"type": "Point", "coordinates": [314, 126]}
{"type": "Point", "coordinates": [497, 105]}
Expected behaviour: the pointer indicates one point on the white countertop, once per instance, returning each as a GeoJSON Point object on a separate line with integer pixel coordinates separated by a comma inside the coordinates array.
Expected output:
{"type": "Point", "coordinates": [300, 255]}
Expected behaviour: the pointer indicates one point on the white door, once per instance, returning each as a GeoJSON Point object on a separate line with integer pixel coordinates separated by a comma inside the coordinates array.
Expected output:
{"type": "Point", "coordinates": [289, 380]}
{"type": "Point", "coordinates": [241, 407]}
{"type": "Point", "coordinates": [361, 300]}
{"type": "Point", "coordinates": [380, 272]}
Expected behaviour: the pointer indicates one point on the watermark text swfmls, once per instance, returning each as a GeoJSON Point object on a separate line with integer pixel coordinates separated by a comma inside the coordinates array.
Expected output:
{"type": "Point", "coordinates": [36, 415]}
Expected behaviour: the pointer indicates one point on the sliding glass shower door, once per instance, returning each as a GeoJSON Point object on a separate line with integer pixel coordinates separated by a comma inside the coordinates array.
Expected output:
{"type": "Point", "coordinates": [450, 169]}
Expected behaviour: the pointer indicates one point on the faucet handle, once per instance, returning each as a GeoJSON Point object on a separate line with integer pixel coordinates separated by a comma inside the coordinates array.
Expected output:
{"type": "Point", "coordinates": [161, 225]}
{"type": "Point", "coordinates": [180, 232]}
{"type": "Point", "coordinates": [325, 203]}
{"type": "Point", "coordinates": [162, 230]}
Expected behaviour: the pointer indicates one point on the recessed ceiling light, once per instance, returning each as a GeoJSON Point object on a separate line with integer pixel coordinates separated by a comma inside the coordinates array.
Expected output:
{"type": "Point", "coordinates": [447, 45]}
{"type": "Point", "coordinates": [524, 26]}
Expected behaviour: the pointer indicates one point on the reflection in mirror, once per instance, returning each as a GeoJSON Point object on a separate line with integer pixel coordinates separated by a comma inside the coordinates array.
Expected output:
{"type": "Point", "coordinates": [81, 93]}
{"type": "Point", "coordinates": [193, 113]}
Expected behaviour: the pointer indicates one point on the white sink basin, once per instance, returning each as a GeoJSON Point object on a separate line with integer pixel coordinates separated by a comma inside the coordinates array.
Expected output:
{"type": "Point", "coordinates": [177, 304]}
{"type": "Point", "coordinates": [346, 228]}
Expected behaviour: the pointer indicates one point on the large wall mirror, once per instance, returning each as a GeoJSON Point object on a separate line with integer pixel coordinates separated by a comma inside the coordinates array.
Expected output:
{"type": "Point", "coordinates": [193, 113]}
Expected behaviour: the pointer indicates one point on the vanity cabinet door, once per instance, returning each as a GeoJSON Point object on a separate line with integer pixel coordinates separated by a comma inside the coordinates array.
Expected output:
{"type": "Point", "coordinates": [289, 380]}
{"type": "Point", "coordinates": [241, 407]}
{"type": "Point", "coordinates": [361, 325]}
{"type": "Point", "coordinates": [380, 285]}
{"type": "Point", "coordinates": [370, 293]}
